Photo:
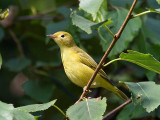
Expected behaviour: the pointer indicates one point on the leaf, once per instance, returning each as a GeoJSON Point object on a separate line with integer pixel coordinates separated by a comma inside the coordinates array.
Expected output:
{"type": "Point", "coordinates": [158, 1]}
{"type": "Point", "coordinates": [5, 111]}
{"type": "Point", "coordinates": [150, 75]}
{"type": "Point", "coordinates": [127, 36]}
{"type": "Point", "coordinates": [22, 115]}
{"type": "Point", "coordinates": [4, 14]}
{"type": "Point", "coordinates": [91, 6]}
{"type": "Point", "coordinates": [1, 33]}
{"type": "Point", "coordinates": [88, 109]}
{"type": "Point", "coordinates": [144, 60]}
{"type": "Point", "coordinates": [55, 27]}
{"type": "Point", "coordinates": [149, 94]}
{"type": "Point", "coordinates": [154, 10]}
{"type": "Point", "coordinates": [85, 24]}
{"type": "Point", "coordinates": [38, 90]}
{"type": "Point", "coordinates": [131, 111]}
{"type": "Point", "coordinates": [0, 61]}
{"type": "Point", "coordinates": [37, 107]}
{"type": "Point", "coordinates": [17, 64]}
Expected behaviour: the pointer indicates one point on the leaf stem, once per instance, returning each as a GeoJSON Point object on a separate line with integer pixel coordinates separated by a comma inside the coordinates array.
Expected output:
{"type": "Point", "coordinates": [109, 30]}
{"type": "Point", "coordinates": [140, 14]}
{"type": "Point", "coordinates": [116, 37]}
{"type": "Point", "coordinates": [111, 62]}
{"type": "Point", "coordinates": [60, 110]}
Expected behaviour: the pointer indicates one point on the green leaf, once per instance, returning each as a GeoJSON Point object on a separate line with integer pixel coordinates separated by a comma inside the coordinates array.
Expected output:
{"type": "Point", "coordinates": [158, 1]}
{"type": "Point", "coordinates": [144, 60]}
{"type": "Point", "coordinates": [0, 61]}
{"type": "Point", "coordinates": [1, 33]}
{"type": "Point", "coordinates": [88, 109]}
{"type": "Point", "coordinates": [85, 24]}
{"type": "Point", "coordinates": [148, 92]}
{"type": "Point", "coordinates": [154, 10]}
{"type": "Point", "coordinates": [150, 75]}
{"type": "Point", "coordinates": [6, 111]}
{"type": "Point", "coordinates": [38, 90]}
{"type": "Point", "coordinates": [131, 111]}
{"type": "Point", "coordinates": [22, 115]}
{"type": "Point", "coordinates": [17, 64]}
{"type": "Point", "coordinates": [37, 107]}
{"type": "Point", "coordinates": [4, 14]}
{"type": "Point", "coordinates": [55, 27]}
{"type": "Point", "coordinates": [127, 36]}
{"type": "Point", "coordinates": [91, 6]}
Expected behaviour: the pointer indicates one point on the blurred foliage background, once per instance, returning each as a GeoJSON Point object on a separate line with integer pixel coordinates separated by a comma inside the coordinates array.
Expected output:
{"type": "Point", "coordinates": [32, 70]}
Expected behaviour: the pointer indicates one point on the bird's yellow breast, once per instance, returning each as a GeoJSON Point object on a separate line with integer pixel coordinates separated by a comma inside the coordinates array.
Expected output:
{"type": "Point", "coordinates": [76, 71]}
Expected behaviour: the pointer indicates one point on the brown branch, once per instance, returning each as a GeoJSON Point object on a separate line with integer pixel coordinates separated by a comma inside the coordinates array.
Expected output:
{"type": "Point", "coordinates": [119, 107]}
{"type": "Point", "coordinates": [19, 46]}
{"type": "Point", "coordinates": [117, 36]}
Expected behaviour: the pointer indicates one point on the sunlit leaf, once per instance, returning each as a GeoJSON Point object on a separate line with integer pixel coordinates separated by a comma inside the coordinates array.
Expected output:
{"type": "Point", "coordinates": [144, 60]}
{"type": "Point", "coordinates": [88, 109]}
{"type": "Point", "coordinates": [37, 107]}
{"type": "Point", "coordinates": [91, 6]}
{"type": "Point", "coordinates": [85, 24]}
{"type": "Point", "coordinates": [158, 1]}
{"type": "Point", "coordinates": [4, 14]}
{"type": "Point", "coordinates": [148, 92]}
{"type": "Point", "coordinates": [22, 115]}
{"type": "Point", "coordinates": [6, 111]}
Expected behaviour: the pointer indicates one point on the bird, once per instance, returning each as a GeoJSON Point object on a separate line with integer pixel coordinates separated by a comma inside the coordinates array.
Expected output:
{"type": "Point", "coordinates": [79, 66]}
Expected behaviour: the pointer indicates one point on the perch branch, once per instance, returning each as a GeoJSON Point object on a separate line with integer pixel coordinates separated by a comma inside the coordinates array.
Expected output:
{"type": "Point", "coordinates": [116, 37]}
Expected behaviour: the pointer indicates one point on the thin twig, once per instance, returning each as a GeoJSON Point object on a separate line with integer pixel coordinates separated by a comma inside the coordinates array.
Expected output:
{"type": "Point", "coordinates": [119, 107]}
{"type": "Point", "coordinates": [117, 36]}
{"type": "Point", "coordinates": [19, 46]}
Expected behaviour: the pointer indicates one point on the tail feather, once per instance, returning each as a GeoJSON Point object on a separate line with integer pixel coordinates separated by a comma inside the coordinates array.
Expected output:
{"type": "Point", "coordinates": [120, 94]}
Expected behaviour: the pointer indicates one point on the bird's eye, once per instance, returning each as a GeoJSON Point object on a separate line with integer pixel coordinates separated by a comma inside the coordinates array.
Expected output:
{"type": "Point", "coordinates": [62, 36]}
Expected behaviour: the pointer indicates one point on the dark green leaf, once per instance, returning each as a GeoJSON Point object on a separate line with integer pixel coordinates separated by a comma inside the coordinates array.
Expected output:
{"type": "Point", "coordinates": [91, 6]}
{"type": "Point", "coordinates": [6, 111]}
{"type": "Point", "coordinates": [85, 24]}
{"type": "Point", "coordinates": [148, 92]}
{"type": "Point", "coordinates": [131, 111]}
{"type": "Point", "coordinates": [0, 61]}
{"type": "Point", "coordinates": [38, 90]}
{"type": "Point", "coordinates": [55, 27]}
{"type": "Point", "coordinates": [88, 109]}
{"type": "Point", "coordinates": [150, 75]}
{"type": "Point", "coordinates": [37, 107]}
{"type": "Point", "coordinates": [144, 60]}
{"type": "Point", "coordinates": [1, 33]}
{"type": "Point", "coordinates": [17, 64]}
{"type": "Point", "coordinates": [127, 36]}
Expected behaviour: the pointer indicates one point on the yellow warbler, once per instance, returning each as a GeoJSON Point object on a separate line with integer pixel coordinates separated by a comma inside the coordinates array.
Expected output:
{"type": "Point", "coordinates": [79, 66]}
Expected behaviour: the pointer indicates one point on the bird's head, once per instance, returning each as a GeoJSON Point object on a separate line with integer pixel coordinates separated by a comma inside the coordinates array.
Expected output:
{"type": "Point", "coordinates": [63, 39]}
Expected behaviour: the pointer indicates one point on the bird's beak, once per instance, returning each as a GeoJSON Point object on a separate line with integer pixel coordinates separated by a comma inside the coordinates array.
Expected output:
{"type": "Point", "coordinates": [52, 36]}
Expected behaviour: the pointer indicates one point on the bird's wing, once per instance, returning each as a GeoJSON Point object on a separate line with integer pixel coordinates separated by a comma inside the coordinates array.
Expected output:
{"type": "Point", "coordinates": [87, 60]}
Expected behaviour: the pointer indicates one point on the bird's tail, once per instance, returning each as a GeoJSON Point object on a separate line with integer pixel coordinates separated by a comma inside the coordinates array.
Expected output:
{"type": "Point", "coordinates": [120, 94]}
